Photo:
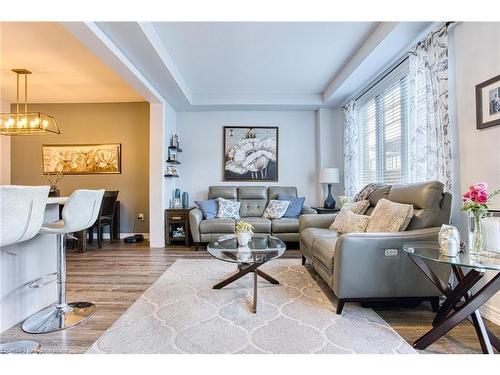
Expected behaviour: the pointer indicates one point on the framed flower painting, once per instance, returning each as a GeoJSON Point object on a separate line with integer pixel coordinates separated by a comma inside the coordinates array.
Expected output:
{"type": "Point", "coordinates": [82, 159]}
{"type": "Point", "coordinates": [250, 153]}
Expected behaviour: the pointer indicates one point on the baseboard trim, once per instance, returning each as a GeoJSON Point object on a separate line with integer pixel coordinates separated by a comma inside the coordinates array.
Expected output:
{"type": "Point", "coordinates": [123, 235]}
{"type": "Point", "coordinates": [491, 313]}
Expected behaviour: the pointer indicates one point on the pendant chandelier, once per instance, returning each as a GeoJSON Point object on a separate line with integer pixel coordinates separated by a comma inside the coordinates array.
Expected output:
{"type": "Point", "coordinates": [22, 122]}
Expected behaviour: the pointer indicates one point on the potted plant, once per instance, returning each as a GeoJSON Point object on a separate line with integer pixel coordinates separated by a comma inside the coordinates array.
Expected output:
{"type": "Point", "coordinates": [476, 201]}
{"type": "Point", "coordinates": [244, 231]}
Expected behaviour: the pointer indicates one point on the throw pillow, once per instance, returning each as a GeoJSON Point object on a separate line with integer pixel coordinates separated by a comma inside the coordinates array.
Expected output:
{"type": "Point", "coordinates": [275, 209]}
{"type": "Point", "coordinates": [228, 209]}
{"type": "Point", "coordinates": [389, 216]}
{"type": "Point", "coordinates": [208, 208]}
{"type": "Point", "coordinates": [348, 222]}
{"type": "Point", "coordinates": [295, 207]}
{"type": "Point", "coordinates": [367, 190]}
{"type": "Point", "coordinates": [359, 207]}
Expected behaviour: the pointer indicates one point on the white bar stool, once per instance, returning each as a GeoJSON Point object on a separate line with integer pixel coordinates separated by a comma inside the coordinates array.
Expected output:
{"type": "Point", "coordinates": [21, 217]}
{"type": "Point", "coordinates": [79, 213]}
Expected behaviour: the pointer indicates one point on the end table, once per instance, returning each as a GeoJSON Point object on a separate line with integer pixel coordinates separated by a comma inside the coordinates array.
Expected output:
{"type": "Point", "coordinates": [322, 210]}
{"type": "Point", "coordinates": [177, 226]}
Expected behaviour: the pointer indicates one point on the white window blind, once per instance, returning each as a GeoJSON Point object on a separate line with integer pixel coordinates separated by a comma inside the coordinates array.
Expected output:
{"type": "Point", "coordinates": [383, 121]}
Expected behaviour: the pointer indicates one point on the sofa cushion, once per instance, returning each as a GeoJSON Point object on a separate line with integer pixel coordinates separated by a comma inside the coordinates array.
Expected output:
{"type": "Point", "coordinates": [252, 192]}
{"type": "Point", "coordinates": [323, 250]}
{"type": "Point", "coordinates": [274, 191]}
{"type": "Point", "coordinates": [228, 209]}
{"type": "Point", "coordinates": [285, 225]}
{"type": "Point", "coordinates": [209, 208]}
{"type": "Point", "coordinates": [295, 207]}
{"type": "Point", "coordinates": [390, 217]}
{"type": "Point", "coordinates": [275, 209]}
{"type": "Point", "coordinates": [349, 222]}
{"type": "Point", "coordinates": [426, 198]}
{"type": "Point", "coordinates": [217, 226]}
{"type": "Point", "coordinates": [260, 224]}
{"type": "Point", "coordinates": [226, 192]}
{"type": "Point", "coordinates": [309, 235]}
{"type": "Point", "coordinates": [252, 207]}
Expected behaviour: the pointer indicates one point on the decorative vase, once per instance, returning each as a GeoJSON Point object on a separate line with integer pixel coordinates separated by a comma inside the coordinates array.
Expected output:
{"type": "Point", "coordinates": [475, 236]}
{"type": "Point", "coordinates": [54, 192]}
{"type": "Point", "coordinates": [185, 200]}
{"type": "Point", "coordinates": [243, 238]}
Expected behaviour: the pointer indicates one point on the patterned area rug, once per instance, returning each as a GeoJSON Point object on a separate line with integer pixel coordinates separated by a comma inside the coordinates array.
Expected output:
{"type": "Point", "coordinates": [181, 313]}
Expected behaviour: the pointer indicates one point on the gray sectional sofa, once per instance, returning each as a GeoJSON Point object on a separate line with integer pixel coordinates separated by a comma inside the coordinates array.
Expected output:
{"type": "Point", "coordinates": [372, 266]}
{"type": "Point", "coordinates": [254, 201]}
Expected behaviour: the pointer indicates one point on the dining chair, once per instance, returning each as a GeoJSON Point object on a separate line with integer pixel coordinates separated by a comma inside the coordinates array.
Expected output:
{"type": "Point", "coordinates": [105, 217]}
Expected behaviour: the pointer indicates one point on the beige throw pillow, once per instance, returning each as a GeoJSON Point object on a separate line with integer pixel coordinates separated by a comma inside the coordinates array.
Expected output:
{"type": "Point", "coordinates": [349, 222]}
{"type": "Point", "coordinates": [389, 216]}
{"type": "Point", "coordinates": [359, 207]}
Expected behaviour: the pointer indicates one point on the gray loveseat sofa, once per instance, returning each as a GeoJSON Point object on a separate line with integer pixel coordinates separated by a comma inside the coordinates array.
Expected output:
{"type": "Point", "coordinates": [373, 266]}
{"type": "Point", "coordinates": [254, 201]}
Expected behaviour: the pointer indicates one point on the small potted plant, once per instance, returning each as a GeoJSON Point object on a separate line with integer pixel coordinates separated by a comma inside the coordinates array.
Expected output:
{"type": "Point", "coordinates": [244, 231]}
{"type": "Point", "coordinates": [476, 201]}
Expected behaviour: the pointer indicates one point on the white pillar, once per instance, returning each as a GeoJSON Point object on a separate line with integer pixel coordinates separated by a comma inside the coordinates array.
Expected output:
{"type": "Point", "coordinates": [156, 179]}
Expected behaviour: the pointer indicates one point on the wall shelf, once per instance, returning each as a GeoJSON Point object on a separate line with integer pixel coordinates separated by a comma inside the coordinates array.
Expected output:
{"type": "Point", "coordinates": [176, 162]}
{"type": "Point", "coordinates": [171, 175]}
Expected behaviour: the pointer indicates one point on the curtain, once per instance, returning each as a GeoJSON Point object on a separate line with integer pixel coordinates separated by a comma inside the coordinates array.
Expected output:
{"type": "Point", "coordinates": [351, 150]}
{"type": "Point", "coordinates": [429, 149]}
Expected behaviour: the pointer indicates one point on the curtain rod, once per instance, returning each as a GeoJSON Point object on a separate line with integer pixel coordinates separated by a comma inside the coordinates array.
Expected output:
{"type": "Point", "coordinates": [406, 57]}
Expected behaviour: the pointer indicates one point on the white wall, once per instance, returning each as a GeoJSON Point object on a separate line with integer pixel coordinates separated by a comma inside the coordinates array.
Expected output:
{"type": "Point", "coordinates": [4, 151]}
{"type": "Point", "coordinates": [474, 58]}
{"type": "Point", "coordinates": [330, 148]}
{"type": "Point", "coordinates": [200, 137]}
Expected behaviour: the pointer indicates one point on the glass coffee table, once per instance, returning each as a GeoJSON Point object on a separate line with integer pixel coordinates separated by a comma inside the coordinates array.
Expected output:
{"type": "Point", "coordinates": [462, 301]}
{"type": "Point", "coordinates": [261, 249]}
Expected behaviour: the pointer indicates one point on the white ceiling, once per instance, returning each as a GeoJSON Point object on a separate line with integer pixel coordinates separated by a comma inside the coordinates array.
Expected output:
{"type": "Point", "coordinates": [203, 65]}
{"type": "Point", "coordinates": [262, 57]}
{"type": "Point", "coordinates": [64, 70]}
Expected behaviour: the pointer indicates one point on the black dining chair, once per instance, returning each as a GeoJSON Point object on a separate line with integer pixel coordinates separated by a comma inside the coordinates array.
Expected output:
{"type": "Point", "coordinates": [105, 218]}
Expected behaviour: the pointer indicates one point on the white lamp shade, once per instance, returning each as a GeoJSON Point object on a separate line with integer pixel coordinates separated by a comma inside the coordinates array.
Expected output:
{"type": "Point", "coordinates": [329, 176]}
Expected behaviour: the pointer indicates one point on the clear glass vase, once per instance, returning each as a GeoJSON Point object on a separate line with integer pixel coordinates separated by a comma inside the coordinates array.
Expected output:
{"type": "Point", "coordinates": [475, 235]}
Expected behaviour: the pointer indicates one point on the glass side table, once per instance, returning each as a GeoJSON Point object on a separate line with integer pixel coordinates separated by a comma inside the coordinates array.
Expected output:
{"type": "Point", "coordinates": [461, 302]}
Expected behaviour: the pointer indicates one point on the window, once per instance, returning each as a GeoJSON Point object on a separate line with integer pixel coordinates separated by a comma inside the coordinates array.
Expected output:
{"type": "Point", "coordinates": [382, 117]}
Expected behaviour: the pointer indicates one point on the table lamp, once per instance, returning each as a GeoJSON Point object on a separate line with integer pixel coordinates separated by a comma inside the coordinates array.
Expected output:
{"type": "Point", "coordinates": [329, 176]}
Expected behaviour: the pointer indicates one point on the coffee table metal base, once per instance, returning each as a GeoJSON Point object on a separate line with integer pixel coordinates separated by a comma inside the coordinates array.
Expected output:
{"type": "Point", "coordinates": [242, 271]}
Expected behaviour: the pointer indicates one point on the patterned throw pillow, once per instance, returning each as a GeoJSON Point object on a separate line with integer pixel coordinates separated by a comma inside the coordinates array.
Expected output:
{"type": "Point", "coordinates": [349, 222]}
{"type": "Point", "coordinates": [228, 209]}
{"type": "Point", "coordinates": [359, 207]}
{"type": "Point", "coordinates": [389, 216]}
{"type": "Point", "coordinates": [275, 209]}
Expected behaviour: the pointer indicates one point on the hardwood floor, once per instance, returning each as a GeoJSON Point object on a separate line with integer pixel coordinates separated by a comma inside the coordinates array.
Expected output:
{"type": "Point", "coordinates": [114, 277]}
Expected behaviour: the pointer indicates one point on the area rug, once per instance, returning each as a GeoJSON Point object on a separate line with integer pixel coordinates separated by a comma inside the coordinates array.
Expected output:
{"type": "Point", "coordinates": [181, 313]}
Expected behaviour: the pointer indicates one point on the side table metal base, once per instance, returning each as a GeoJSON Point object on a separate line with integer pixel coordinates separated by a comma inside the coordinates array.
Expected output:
{"type": "Point", "coordinates": [460, 304]}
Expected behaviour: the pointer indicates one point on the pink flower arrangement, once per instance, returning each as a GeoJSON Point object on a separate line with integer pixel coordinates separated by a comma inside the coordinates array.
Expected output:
{"type": "Point", "coordinates": [477, 193]}
{"type": "Point", "coordinates": [476, 199]}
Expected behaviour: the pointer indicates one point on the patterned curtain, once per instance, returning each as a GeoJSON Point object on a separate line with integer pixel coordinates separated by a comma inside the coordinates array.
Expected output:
{"type": "Point", "coordinates": [429, 148]}
{"type": "Point", "coordinates": [351, 150]}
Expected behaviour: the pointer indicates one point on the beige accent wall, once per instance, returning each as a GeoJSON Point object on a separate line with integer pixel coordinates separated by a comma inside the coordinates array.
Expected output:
{"type": "Point", "coordinates": [125, 123]}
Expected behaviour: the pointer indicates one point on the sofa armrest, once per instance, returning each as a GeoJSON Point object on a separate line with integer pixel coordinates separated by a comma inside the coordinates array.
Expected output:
{"type": "Point", "coordinates": [315, 221]}
{"type": "Point", "coordinates": [195, 218]}
{"type": "Point", "coordinates": [365, 254]}
{"type": "Point", "coordinates": [308, 211]}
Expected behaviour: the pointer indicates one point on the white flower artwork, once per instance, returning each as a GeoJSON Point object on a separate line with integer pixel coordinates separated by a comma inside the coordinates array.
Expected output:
{"type": "Point", "coordinates": [250, 153]}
